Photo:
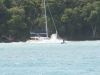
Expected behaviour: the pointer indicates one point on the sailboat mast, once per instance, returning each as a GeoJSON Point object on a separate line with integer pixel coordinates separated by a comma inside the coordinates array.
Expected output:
{"type": "Point", "coordinates": [45, 18]}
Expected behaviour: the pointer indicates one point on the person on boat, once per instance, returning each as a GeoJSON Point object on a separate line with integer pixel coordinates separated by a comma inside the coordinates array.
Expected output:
{"type": "Point", "coordinates": [63, 41]}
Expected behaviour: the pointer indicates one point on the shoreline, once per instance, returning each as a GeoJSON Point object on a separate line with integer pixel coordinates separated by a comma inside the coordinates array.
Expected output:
{"type": "Point", "coordinates": [83, 39]}
{"type": "Point", "coordinates": [65, 39]}
{"type": "Point", "coordinates": [92, 39]}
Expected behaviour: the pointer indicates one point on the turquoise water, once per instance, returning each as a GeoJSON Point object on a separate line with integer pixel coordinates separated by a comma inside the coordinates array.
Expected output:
{"type": "Point", "coordinates": [72, 58]}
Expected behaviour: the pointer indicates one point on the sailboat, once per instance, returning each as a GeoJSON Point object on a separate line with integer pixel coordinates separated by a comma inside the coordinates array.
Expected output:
{"type": "Point", "coordinates": [38, 33]}
{"type": "Point", "coordinates": [45, 36]}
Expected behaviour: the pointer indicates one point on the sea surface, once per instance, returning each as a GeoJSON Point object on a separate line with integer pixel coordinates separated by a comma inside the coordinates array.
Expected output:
{"type": "Point", "coordinates": [71, 58]}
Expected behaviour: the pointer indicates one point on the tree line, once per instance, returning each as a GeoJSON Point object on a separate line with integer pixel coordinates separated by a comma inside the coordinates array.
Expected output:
{"type": "Point", "coordinates": [73, 18]}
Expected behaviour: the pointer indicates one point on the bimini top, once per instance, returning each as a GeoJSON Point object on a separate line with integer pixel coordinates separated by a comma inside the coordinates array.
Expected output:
{"type": "Point", "coordinates": [38, 32]}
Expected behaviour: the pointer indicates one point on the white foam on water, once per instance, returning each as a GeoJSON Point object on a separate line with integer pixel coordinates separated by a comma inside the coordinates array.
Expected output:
{"type": "Point", "coordinates": [52, 39]}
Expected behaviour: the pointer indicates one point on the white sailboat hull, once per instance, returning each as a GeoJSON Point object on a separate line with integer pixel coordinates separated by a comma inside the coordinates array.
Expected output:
{"type": "Point", "coordinates": [53, 39]}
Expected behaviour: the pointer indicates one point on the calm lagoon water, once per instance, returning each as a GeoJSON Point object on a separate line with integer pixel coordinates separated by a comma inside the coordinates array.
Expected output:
{"type": "Point", "coordinates": [72, 58]}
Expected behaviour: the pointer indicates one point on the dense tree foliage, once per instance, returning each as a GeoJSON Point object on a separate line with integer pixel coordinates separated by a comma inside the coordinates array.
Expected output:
{"type": "Point", "coordinates": [73, 18]}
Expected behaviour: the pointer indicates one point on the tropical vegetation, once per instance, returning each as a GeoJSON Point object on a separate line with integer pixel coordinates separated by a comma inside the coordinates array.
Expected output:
{"type": "Point", "coordinates": [74, 19]}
